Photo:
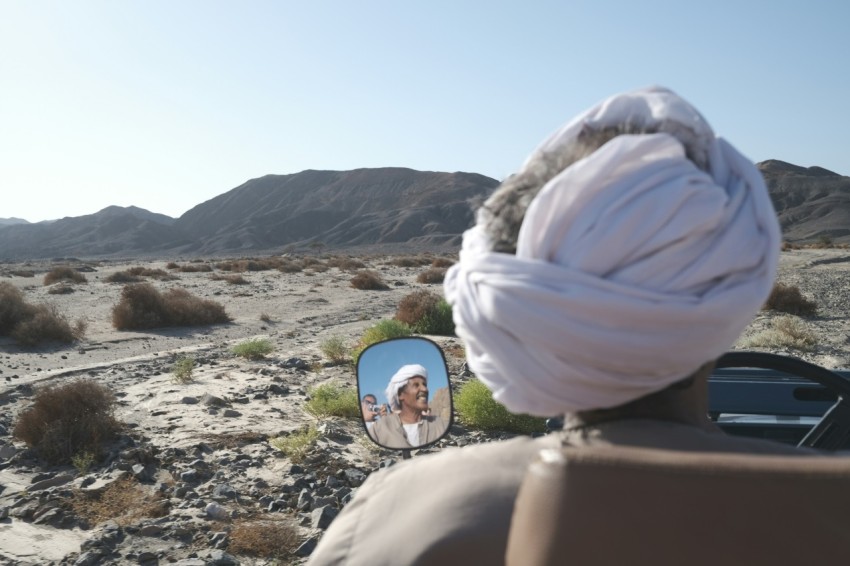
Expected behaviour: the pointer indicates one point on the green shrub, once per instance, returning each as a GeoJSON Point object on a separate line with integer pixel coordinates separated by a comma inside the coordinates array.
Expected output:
{"type": "Point", "coordinates": [67, 420]}
{"type": "Point", "coordinates": [426, 313]}
{"type": "Point", "coordinates": [789, 299]}
{"type": "Point", "coordinates": [333, 400]}
{"type": "Point", "coordinates": [142, 306]}
{"type": "Point", "coordinates": [383, 330]}
{"type": "Point", "coordinates": [477, 409]}
{"type": "Point", "coordinates": [255, 349]}
{"type": "Point", "coordinates": [296, 445]}
{"type": "Point", "coordinates": [64, 273]}
{"type": "Point", "coordinates": [785, 331]}
{"type": "Point", "coordinates": [334, 349]}
{"type": "Point", "coordinates": [183, 369]}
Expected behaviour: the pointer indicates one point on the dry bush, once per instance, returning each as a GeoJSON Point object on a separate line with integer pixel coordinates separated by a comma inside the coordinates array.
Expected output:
{"type": "Point", "coordinates": [195, 268]}
{"type": "Point", "coordinates": [253, 264]}
{"type": "Point", "coordinates": [443, 262]}
{"type": "Point", "coordinates": [368, 281]}
{"type": "Point", "coordinates": [123, 501]}
{"type": "Point", "coordinates": [142, 306]}
{"type": "Point", "coordinates": [140, 271]}
{"type": "Point", "coordinates": [23, 273]}
{"type": "Point", "coordinates": [60, 289]}
{"type": "Point", "coordinates": [234, 279]}
{"type": "Point", "coordinates": [432, 275]}
{"type": "Point", "coordinates": [318, 267]}
{"type": "Point", "coordinates": [172, 265]}
{"type": "Point", "coordinates": [789, 299]}
{"type": "Point", "coordinates": [409, 261]}
{"type": "Point", "coordinates": [345, 263]}
{"type": "Point", "coordinates": [788, 246]}
{"type": "Point", "coordinates": [266, 538]}
{"type": "Point", "coordinates": [64, 273]}
{"type": "Point", "coordinates": [785, 331]}
{"type": "Point", "coordinates": [122, 277]}
{"type": "Point", "coordinates": [13, 308]}
{"type": "Point", "coordinates": [289, 266]}
{"type": "Point", "coordinates": [66, 420]}
{"type": "Point", "coordinates": [46, 324]}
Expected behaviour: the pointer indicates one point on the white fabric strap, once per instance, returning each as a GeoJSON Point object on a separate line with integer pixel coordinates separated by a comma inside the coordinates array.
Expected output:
{"type": "Point", "coordinates": [633, 267]}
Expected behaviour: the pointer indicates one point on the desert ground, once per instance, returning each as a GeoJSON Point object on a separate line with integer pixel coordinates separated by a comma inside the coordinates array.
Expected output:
{"type": "Point", "coordinates": [200, 449]}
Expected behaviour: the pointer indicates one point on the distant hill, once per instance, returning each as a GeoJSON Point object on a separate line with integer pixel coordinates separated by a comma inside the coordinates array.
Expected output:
{"type": "Point", "coordinates": [386, 208]}
{"type": "Point", "coordinates": [364, 207]}
{"type": "Point", "coordinates": [811, 202]}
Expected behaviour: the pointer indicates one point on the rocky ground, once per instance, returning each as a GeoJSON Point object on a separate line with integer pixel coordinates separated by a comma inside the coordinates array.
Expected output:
{"type": "Point", "coordinates": [193, 471]}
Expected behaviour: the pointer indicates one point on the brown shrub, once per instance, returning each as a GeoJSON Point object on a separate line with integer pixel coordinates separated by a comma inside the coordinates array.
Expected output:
{"type": "Point", "coordinates": [69, 419]}
{"type": "Point", "coordinates": [268, 538]}
{"type": "Point", "coordinates": [23, 273]}
{"type": "Point", "coordinates": [234, 279]}
{"type": "Point", "coordinates": [122, 277]}
{"type": "Point", "coordinates": [432, 275]}
{"type": "Point", "coordinates": [172, 265]}
{"type": "Point", "coordinates": [195, 268]}
{"type": "Point", "coordinates": [345, 263]}
{"type": "Point", "coordinates": [142, 306]}
{"type": "Point", "coordinates": [64, 273]}
{"type": "Point", "coordinates": [123, 501]}
{"type": "Point", "coordinates": [45, 324]}
{"type": "Point", "coordinates": [789, 299]}
{"type": "Point", "coordinates": [413, 307]}
{"type": "Point", "coordinates": [289, 266]}
{"type": "Point", "coordinates": [409, 261]}
{"type": "Point", "coordinates": [13, 308]}
{"type": "Point", "coordinates": [140, 271]}
{"type": "Point", "coordinates": [61, 289]}
{"type": "Point", "coordinates": [368, 281]}
{"type": "Point", "coordinates": [443, 262]}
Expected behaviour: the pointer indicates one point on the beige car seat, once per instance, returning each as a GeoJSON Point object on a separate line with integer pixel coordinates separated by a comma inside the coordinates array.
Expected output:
{"type": "Point", "coordinates": [623, 505]}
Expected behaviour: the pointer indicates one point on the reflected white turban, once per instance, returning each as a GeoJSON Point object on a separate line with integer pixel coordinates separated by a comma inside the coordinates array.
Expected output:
{"type": "Point", "coordinates": [633, 266]}
{"type": "Point", "coordinates": [399, 379]}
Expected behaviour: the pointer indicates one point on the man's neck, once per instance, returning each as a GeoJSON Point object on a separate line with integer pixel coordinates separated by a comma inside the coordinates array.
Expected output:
{"type": "Point", "coordinates": [408, 416]}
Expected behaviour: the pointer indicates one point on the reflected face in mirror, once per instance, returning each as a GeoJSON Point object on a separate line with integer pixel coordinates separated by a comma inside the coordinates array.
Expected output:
{"type": "Point", "coordinates": [404, 392]}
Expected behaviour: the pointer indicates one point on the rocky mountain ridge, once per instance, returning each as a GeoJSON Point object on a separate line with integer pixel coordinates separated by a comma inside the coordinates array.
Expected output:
{"type": "Point", "coordinates": [393, 208]}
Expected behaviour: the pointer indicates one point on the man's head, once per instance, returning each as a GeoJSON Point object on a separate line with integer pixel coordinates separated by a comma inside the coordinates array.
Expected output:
{"type": "Point", "coordinates": [406, 388]}
{"type": "Point", "coordinates": [632, 248]}
{"type": "Point", "coordinates": [369, 400]}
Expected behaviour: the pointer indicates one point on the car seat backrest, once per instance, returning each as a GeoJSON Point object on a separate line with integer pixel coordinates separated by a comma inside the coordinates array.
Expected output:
{"type": "Point", "coordinates": [623, 505]}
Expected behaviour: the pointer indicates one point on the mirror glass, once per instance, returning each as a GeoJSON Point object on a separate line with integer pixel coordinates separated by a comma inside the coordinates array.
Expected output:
{"type": "Point", "coordinates": [405, 398]}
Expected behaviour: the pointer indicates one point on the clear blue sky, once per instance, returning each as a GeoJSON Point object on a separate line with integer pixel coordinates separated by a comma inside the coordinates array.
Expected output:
{"type": "Point", "coordinates": [166, 104]}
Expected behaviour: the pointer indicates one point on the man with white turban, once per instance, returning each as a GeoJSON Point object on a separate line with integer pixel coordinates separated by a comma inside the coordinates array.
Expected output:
{"type": "Point", "coordinates": [600, 282]}
{"type": "Point", "coordinates": [408, 425]}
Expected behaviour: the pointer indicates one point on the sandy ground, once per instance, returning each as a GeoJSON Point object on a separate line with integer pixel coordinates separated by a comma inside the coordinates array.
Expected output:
{"type": "Point", "coordinates": [303, 309]}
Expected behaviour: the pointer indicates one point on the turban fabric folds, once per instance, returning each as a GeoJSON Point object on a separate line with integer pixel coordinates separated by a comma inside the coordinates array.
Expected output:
{"type": "Point", "coordinates": [634, 266]}
{"type": "Point", "coordinates": [398, 380]}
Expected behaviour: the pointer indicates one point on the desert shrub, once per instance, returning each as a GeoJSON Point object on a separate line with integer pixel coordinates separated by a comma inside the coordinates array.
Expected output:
{"type": "Point", "coordinates": [296, 445]}
{"type": "Point", "coordinates": [195, 268]}
{"type": "Point", "coordinates": [46, 324]}
{"type": "Point", "coordinates": [789, 299]}
{"type": "Point", "coordinates": [382, 330]}
{"type": "Point", "coordinates": [23, 273]}
{"type": "Point", "coordinates": [477, 409]}
{"type": "Point", "coordinates": [333, 400]}
{"type": "Point", "coordinates": [444, 262]}
{"type": "Point", "coordinates": [183, 369]}
{"type": "Point", "coordinates": [230, 279]}
{"type": "Point", "coordinates": [368, 281]}
{"type": "Point", "coordinates": [64, 273]}
{"type": "Point", "coordinates": [60, 289]}
{"type": "Point", "coordinates": [122, 277]}
{"type": "Point", "coordinates": [266, 317]}
{"type": "Point", "coordinates": [67, 420]}
{"type": "Point", "coordinates": [267, 538]}
{"type": "Point", "coordinates": [785, 331]}
{"type": "Point", "coordinates": [255, 349]}
{"type": "Point", "coordinates": [318, 267]}
{"type": "Point", "coordinates": [334, 349]}
{"type": "Point", "coordinates": [123, 501]}
{"type": "Point", "coordinates": [426, 313]}
{"type": "Point", "coordinates": [290, 266]}
{"type": "Point", "coordinates": [82, 461]}
{"type": "Point", "coordinates": [13, 308]}
{"type": "Point", "coordinates": [432, 275]}
{"type": "Point", "coordinates": [345, 263]}
{"type": "Point", "coordinates": [409, 261]}
{"type": "Point", "coordinates": [142, 306]}
{"type": "Point", "coordinates": [172, 265]}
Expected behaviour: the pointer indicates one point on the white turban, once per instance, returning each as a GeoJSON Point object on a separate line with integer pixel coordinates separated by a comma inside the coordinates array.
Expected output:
{"type": "Point", "coordinates": [398, 380]}
{"type": "Point", "coordinates": [633, 266]}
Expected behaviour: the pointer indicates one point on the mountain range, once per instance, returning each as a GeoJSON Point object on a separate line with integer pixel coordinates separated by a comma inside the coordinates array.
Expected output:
{"type": "Point", "coordinates": [384, 208]}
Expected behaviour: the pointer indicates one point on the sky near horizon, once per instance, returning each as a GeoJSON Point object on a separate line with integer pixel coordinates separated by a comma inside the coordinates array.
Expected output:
{"type": "Point", "coordinates": [166, 104]}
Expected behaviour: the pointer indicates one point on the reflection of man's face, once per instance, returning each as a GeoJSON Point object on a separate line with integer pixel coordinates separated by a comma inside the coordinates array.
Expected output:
{"type": "Point", "coordinates": [368, 401]}
{"type": "Point", "coordinates": [414, 394]}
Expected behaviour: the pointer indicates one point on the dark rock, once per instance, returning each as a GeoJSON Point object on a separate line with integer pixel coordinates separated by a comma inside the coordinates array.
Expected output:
{"type": "Point", "coordinates": [150, 531]}
{"type": "Point", "coordinates": [321, 517]}
{"type": "Point", "coordinates": [212, 400]}
{"type": "Point", "coordinates": [355, 477]}
{"type": "Point", "coordinates": [307, 547]}
{"type": "Point", "coordinates": [60, 479]}
{"type": "Point", "coordinates": [189, 400]}
{"type": "Point", "coordinates": [221, 558]}
{"type": "Point", "coordinates": [224, 491]}
{"type": "Point", "coordinates": [305, 498]}
{"type": "Point", "coordinates": [88, 558]}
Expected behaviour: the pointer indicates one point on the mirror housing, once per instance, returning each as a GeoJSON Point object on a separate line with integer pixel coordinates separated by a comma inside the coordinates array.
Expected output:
{"type": "Point", "coordinates": [401, 408]}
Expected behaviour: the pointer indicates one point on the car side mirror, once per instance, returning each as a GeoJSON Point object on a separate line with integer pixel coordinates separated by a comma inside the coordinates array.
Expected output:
{"type": "Point", "coordinates": [404, 392]}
